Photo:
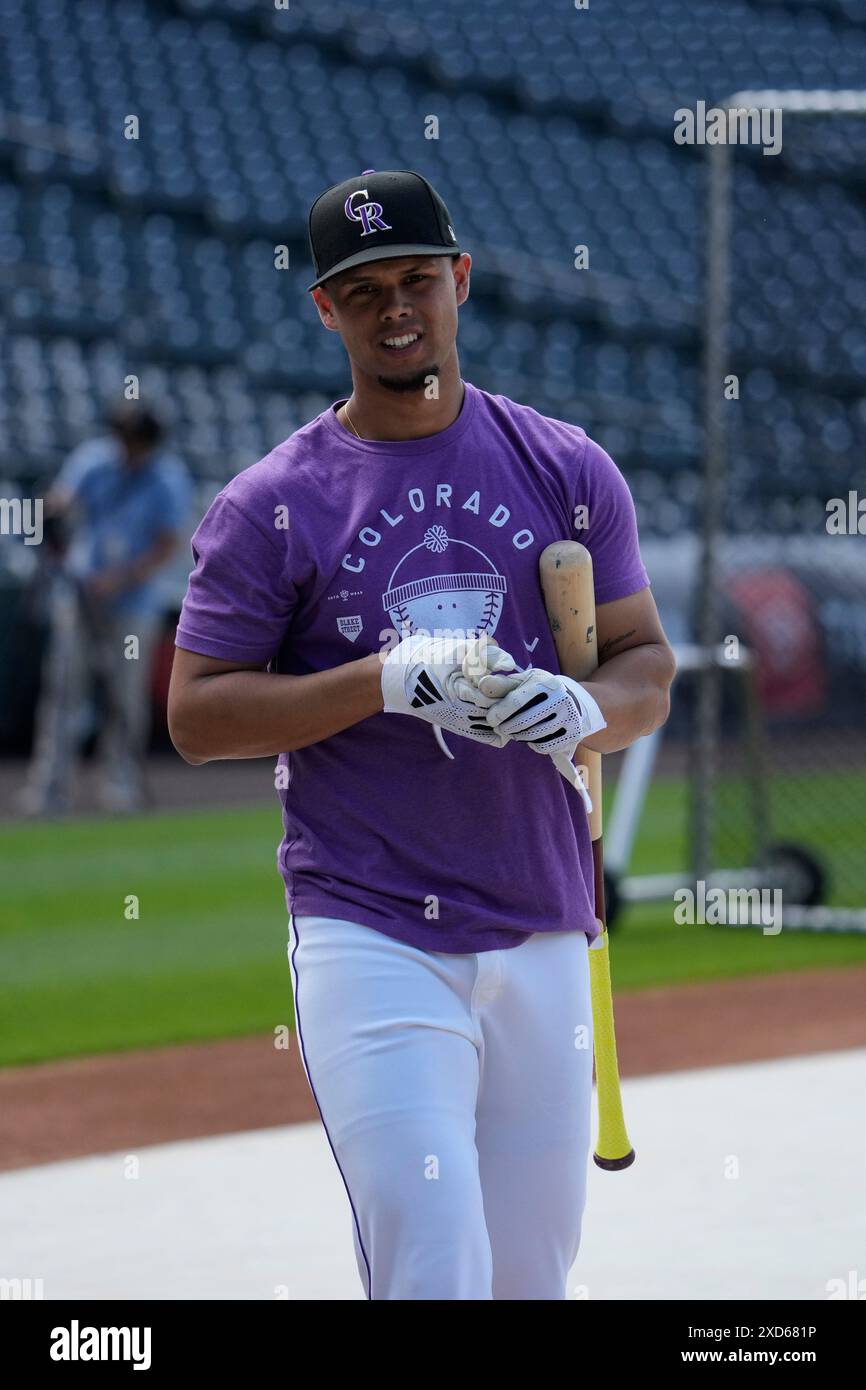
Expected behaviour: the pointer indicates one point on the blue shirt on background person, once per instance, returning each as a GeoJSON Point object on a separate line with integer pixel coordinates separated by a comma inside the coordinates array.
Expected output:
{"type": "Point", "coordinates": [116, 514]}
{"type": "Point", "coordinates": [120, 510]}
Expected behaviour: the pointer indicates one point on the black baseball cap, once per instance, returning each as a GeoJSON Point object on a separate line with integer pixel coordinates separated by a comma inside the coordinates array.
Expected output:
{"type": "Point", "coordinates": [377, 216]}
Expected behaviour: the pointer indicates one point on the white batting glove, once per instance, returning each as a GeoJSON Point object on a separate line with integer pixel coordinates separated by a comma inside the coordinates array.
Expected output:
{"type": "Point", "coordinates": [430, 678]}
{"type": "Point", "coordinates": [550, 712]}
{"type": "Point", "coordinates": [490, 673]}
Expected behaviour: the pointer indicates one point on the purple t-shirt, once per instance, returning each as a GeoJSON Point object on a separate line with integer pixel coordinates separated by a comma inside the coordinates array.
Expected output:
{"type": "Point", "coordinates": [319, 554]}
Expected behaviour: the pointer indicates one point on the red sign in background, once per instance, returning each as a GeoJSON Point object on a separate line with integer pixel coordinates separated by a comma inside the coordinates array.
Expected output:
{"type": "Point", "coordinates": [782, 626]}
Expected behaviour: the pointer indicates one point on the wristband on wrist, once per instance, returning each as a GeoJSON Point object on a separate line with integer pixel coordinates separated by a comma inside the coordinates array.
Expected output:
{"type": "Point", "coordinates": [592, 719]}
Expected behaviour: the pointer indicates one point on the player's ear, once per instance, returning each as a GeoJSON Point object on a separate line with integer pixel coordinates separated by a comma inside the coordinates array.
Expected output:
{"type": "Point", "coordinates": [460, 267]}
{"type": "Point", "coordinates": [325, 306]}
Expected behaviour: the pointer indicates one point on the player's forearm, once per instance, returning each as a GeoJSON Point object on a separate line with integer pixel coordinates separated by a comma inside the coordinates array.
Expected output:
{"type": "Point", "coordinates": [253, 714]}
{"type": "Point", "coordinates": [633, 694]}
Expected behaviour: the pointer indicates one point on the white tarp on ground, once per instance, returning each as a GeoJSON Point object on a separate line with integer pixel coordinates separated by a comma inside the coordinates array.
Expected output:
{"type": "Point", "coordinates": [748, 1184]}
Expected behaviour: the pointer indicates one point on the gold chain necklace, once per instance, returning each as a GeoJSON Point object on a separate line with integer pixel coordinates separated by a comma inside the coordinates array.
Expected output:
{"type": "Point", "coordinates": [349, 418]}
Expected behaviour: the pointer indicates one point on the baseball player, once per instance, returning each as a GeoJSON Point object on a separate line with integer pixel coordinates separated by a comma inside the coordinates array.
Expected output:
{"type": "Point", "coordinates": [365, 608]}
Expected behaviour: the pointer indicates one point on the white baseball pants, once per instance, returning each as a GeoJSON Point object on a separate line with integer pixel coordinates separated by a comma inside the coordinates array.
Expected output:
{"type": "Point", "coordinates": [455, 1091]}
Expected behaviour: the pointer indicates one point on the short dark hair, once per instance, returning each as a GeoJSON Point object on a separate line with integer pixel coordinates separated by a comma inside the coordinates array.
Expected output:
{"type": "Point", "coordinates": [134, 423]}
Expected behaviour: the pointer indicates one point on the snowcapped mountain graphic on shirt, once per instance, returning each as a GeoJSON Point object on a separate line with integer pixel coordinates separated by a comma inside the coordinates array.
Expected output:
{"type": "Point", "coordinates": [332, 547]}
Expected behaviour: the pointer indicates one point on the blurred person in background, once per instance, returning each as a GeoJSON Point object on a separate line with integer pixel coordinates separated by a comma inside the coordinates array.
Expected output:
{"type": "Point", "coordinates": [114, 517]}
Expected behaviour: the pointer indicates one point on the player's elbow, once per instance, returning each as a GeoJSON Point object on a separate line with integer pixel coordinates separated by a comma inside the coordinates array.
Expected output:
{"type": "Point", "coordinates": [185, 749]}
{"type": "Point", "coordinates": [665, 675]}
{"type": "Point", "coordinates": [182, 731]}
{"type": "Point", "coordinates": [668, 677]}
{"type": "Point", "coordinates": [193, 759]}
{"type": "Point", "coordinates": [664, 707]}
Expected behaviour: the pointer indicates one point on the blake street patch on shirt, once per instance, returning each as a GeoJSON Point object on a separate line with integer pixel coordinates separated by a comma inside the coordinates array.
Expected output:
{"type": "Point", "coordinates": [351, 627]}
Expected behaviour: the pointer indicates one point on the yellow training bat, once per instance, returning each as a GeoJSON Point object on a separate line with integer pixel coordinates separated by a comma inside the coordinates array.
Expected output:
{"type": "Point", "coordinates": [569, 596]}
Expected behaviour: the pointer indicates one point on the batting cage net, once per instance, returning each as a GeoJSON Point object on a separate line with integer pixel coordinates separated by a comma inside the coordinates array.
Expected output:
{"type": "Point", "coordinates": [779, 769]}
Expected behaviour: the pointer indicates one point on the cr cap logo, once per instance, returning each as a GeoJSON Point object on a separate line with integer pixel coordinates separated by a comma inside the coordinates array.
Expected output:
{"type": "Point", "coordinates": [368, 214]}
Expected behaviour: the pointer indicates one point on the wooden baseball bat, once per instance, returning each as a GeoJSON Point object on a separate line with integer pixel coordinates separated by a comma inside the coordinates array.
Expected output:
{"type": "Point", "coordinates": [569, 596]}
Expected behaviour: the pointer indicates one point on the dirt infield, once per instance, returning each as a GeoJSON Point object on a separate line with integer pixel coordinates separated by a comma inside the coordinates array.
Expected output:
{"type": "Point", "coordinates": [123, 1101]}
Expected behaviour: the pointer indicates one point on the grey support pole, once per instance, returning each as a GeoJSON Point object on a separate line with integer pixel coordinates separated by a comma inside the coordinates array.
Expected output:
{"type": "Point", "coordinates": [713, 502]}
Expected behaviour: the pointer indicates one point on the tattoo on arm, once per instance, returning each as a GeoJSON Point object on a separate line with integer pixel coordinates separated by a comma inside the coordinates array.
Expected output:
{"type": "Point", "coordinates": [614, 642]}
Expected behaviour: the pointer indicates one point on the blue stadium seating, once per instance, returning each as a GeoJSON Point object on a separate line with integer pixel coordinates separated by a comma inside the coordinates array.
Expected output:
{"type": "Point", "coordinates": [155, 255]}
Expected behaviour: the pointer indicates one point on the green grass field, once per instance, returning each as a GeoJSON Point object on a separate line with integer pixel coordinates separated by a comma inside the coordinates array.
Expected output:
{"type": "Point", "coordinates": [206, 957]}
